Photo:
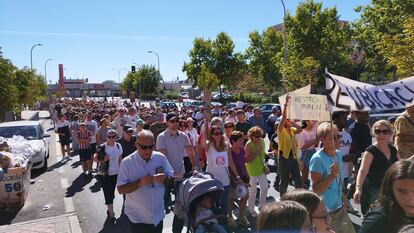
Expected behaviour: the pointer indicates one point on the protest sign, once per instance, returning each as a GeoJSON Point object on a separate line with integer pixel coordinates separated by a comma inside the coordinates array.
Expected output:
{"type": "Point", "coordinates": [351, 95]}
{"type": "Point", "coordinates": [308, 107]}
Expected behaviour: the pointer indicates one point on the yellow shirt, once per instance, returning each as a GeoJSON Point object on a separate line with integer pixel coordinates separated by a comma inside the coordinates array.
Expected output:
{"type": "Point", "coordinates": [287, 143]}
{"type": "Point", "coordinates": [402, 125]}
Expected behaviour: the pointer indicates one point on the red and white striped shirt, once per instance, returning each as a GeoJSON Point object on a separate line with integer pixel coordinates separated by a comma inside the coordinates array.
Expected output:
{"type": "Point", "coordinates": [83, 135]}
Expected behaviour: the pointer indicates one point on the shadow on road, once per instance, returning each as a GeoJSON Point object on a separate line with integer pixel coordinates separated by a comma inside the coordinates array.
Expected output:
{"type": "Point", "coordinates": [95, 187]}
{"type": "Point", "coordinates": [8, 216]}
{"type": "Point", "coordinates": [78, 185]}
{"type": "Point", "coordinates": [76, 164]}
{"type": "Point", "coordinates": [121, 225]}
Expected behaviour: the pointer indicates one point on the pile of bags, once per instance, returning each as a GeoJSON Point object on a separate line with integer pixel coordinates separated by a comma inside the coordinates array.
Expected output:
{"type": "Point", "coordinates": [14, 152]}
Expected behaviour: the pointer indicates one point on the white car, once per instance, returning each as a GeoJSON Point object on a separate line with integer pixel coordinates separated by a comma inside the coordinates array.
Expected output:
{"type": "Point", "coordinates": [35, 133]}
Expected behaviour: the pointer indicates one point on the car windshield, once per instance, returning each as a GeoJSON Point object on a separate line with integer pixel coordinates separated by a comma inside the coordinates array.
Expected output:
{"type": "Point", "coordinates": [29, 132]}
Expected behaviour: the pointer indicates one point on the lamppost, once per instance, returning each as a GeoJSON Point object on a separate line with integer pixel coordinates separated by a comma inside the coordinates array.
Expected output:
{"type": "Point", "coordinates": [119, 73]}
{"type": "Point", "coordinates": [31, 55]}
{"type": "Point", "coordinates": [50, 59]}
{"type": "Point", "coordinates": [284, 32]}
{"type": "Point", "coordinates": [158, 62]}
{"type": "Point", "coordinates": [140, 90]}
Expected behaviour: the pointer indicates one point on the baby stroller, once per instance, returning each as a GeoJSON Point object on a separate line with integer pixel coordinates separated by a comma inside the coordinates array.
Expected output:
{"type": "Point", "coordinates": [189, 193]}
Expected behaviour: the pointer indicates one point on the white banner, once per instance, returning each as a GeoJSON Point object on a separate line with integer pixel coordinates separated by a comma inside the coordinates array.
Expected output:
{"type": "Point", "coordinates": [352, 95]}
{"type": "Point", "coordinates": [308, 107]}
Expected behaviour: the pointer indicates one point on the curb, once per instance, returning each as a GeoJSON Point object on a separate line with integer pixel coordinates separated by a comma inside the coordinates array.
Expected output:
{"type": "Point", "coordinates": [72, 219]}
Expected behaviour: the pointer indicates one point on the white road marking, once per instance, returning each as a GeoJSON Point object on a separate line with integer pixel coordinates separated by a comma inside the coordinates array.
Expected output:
{"type": "Point", "coordinates": [64, 183]}
{"type": "Point", "coordinates": [69, 207]}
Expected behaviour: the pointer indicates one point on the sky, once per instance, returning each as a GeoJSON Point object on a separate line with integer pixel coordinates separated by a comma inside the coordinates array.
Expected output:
{"type": "Point", "coordinates": [91, 38]}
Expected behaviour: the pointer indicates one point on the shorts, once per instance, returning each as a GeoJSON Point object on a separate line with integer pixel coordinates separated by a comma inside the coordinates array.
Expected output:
{"type": "Point", "coordinates": [85, 154]}
{"type": "Point", "coordinates": [93, 148]}
{"type": "Point", "coordinates": [306, 156]}
{"type": "Point", "coordinates": [64, 141]}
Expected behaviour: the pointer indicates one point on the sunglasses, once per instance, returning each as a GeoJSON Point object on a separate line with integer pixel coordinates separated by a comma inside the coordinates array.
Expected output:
{"type": "Point", "coordinates": [228, 126]}
{"type": "Point", "coordinates": [144, 147]}
{"type": "Point", "coordinates": [217, 133]}
{"type": "Point", "coordinates": [379, 131]}
{"type": "Point", "coordinates": [111, 136]}
{"type": "Point", "coordinates": [325, 218]}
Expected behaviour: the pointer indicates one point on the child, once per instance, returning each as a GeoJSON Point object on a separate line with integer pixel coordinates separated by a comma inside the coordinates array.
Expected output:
{"type": "Point", "coordinates": [205, 219]}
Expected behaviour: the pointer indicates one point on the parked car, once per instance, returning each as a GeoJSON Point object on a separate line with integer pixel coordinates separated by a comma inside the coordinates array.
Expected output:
{"type": "Point", "coordinates": [35, 133]}
{"type": "Point", "coordinates": [266, 109]}
{"type": "Point", "coordinates": [384, 115]}
{"type": "Point", "coordinates": [168, 105]}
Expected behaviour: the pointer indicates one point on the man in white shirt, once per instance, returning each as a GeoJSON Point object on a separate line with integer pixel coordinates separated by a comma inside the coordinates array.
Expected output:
{"type": "Point", "coordinates": [119, 121]}
{"type": "Point", "coordinates": [141, 177]}
{"type": "Point", "coordinates": [345, 139]}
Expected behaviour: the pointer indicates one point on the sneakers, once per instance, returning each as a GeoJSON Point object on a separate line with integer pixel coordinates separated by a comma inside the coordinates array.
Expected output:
{"type": "Point", "coordinates": [243, 222]}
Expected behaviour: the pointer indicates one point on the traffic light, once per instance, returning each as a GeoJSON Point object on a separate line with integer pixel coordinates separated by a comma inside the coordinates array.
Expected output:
{"type": "Point", "coordinates": [132, 69]}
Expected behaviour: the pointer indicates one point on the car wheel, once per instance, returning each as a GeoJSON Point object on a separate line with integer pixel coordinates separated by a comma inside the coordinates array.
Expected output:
{"type": "Point", "coordinates": [44, 168]}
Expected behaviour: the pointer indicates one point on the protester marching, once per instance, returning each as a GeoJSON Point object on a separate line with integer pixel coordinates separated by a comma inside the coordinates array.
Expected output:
{"type": "Point", "coordinates": [151, 151]}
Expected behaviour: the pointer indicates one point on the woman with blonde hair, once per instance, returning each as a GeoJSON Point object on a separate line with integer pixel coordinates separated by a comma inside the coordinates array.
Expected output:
{"type": "Point", "coordinates": [256, 168]}
{"type": "Point", "coordinates": [376, 159]}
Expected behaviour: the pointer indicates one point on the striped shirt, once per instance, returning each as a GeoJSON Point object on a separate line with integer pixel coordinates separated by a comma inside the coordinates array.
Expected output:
{"type": "Point", "coordinates": [83, 135]}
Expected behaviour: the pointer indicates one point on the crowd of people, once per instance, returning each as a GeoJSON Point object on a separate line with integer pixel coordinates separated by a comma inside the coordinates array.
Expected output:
{"type": "Point", "coordinates": [143, 152]}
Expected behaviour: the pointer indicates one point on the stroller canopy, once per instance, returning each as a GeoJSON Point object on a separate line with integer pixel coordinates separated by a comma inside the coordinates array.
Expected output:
{"type": "Point", "coordinates": [196, 186]}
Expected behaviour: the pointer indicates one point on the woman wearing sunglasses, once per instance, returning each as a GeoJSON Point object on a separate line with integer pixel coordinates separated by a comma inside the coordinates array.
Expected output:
{"type": "Point", "coordinates": [318, 213]}
{"type": "Point", "coordinates": [219, 161]}
{"type": "Point", "coordinates": [376, 159]}
{"type": "Point", "coordinates": [108, 175]}
{"type": "Point", "coordinates": [256, 168]}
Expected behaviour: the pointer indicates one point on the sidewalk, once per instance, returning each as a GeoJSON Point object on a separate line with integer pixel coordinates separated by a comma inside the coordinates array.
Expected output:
{"type": "Point", "coordinates": [68, 223]}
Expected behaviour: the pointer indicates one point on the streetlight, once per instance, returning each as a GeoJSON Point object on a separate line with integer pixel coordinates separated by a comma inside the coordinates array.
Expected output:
{"type": "Point", "coordinates": [158, 62]}
{"type": "Point", "coordinates": [31, 55]}
{"type": "Point", "coordinates": [140, 90]}
{"type": "Point", "coordinates": [50, 59]}
{"type": "Point", "coordinates": [284, 32]}
{"type": "Point", "coordinates": [119, 73]}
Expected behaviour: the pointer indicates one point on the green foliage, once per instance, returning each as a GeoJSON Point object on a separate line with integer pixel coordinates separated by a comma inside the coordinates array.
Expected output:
{"type": "Point", "coordinates": [398, 50]}
{"type": "Point", "coordinates": [317, 39]}
{"type": "Point", "coordinates": [149, 77]}
{"type": "Point", "coordinates": [207, 79]}
{"type": "Point", "coordinates": [215, 61]}
{"type": "Point", "coordinates": [380, 20]}
{"type": "Point", "coordinates": [264, 55]}
{"type": "Point", "coordinates": [18, 87]}
{"type": "Point", "coordinates": [170, 95]}
{"type": "Point", "coordinates": [299, 73]}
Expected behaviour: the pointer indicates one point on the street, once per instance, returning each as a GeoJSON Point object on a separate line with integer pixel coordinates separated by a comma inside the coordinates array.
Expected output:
{"type": "Point", "coordinates": [63, 190]}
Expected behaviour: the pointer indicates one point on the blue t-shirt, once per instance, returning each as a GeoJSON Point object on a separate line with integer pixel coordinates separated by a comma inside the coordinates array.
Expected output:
{"type": "Point", "coordinates": [321, 163]}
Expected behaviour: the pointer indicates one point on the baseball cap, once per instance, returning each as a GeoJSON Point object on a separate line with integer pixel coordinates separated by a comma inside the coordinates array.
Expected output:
{"type": "Point", "coordinates": [170, 116]}
{"type": "Point", "coordinates": [128, 127]}
{"type": "Point", "coordinates": [140, 122]}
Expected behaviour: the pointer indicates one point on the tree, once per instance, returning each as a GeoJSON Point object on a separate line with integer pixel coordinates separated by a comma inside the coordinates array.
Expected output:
{"type": "Point", "coordinates": [8, 91]}
{"type": "Point", "coordinates": [201, 54]}
{"type": "Point", "coordinates": [149, 77]}
{"type": "Point", "coordinates": [216, 57]}
{"type": "Point", "coordinates": [264, 56]}
{"type": "Point", "coordinates": [380, 20]}
{"type": "Point", "coordinates": [317, 38]}
{"type": "Point", "coordinates": [398, 50]}
{"type": "Point", "coordinates": [299, 73]}
{"type": "Point", "coordinates": [228, 66]}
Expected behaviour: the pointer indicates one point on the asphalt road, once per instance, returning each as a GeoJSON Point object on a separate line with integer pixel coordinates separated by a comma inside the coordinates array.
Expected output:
{"type": "Point", "coordinates": [62, 189]}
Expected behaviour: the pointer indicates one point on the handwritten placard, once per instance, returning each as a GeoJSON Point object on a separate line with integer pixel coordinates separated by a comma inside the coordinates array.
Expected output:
{"type": "Point", "coordinates": [308, 107]}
